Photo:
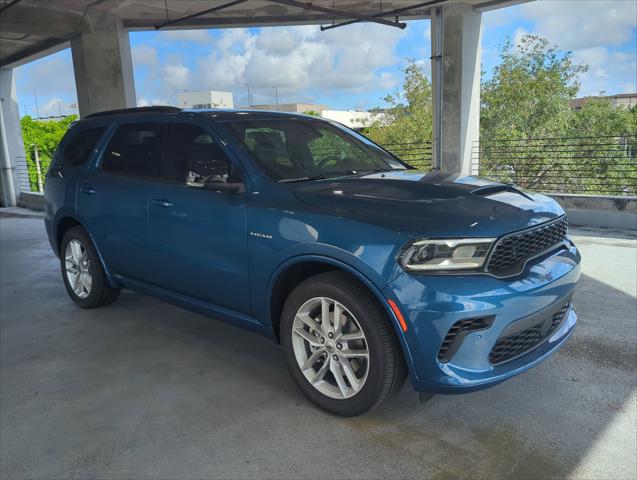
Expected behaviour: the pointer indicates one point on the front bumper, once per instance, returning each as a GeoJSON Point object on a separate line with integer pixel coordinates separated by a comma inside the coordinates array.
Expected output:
{"type": "Point", "coordinates": [432, 304]}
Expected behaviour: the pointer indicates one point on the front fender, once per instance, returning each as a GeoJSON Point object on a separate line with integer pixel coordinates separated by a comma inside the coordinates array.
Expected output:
{"type": "Point", "coordinates": [375, 287]}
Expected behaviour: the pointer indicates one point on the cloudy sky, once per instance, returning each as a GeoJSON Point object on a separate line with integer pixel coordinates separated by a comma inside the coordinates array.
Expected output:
{"type": "Point", "coordinates": [351, 67]}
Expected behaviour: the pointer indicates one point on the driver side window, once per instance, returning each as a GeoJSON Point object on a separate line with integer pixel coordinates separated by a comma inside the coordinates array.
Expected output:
{"type": "Point", "coordinates": [193, 157]}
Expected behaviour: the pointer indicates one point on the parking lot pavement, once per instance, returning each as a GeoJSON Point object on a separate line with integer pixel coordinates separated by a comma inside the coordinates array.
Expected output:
{"type": "Point", "coordinates": [142, 389]}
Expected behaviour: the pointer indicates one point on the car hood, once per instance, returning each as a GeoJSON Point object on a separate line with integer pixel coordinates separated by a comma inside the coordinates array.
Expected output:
{"type": "Point", "coordinates": [430, 203]}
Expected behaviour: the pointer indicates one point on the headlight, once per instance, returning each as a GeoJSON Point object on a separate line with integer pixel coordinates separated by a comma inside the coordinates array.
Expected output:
{"type": "Point", "coordinates": [451, 254]}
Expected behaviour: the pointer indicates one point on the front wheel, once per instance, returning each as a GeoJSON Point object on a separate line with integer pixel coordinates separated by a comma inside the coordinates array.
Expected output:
{"type": "Point", "coordinates": [339, 345]}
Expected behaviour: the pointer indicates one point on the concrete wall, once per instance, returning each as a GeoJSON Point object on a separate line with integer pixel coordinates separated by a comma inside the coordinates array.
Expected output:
{"type": "Point", "coordinates": [599, 212]}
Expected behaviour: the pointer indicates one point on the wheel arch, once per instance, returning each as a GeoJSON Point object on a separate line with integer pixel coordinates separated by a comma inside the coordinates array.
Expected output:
{"type": "Point", "coordinates": [63, 225]}
{"type": "Point", "coordinates": [295, 270]}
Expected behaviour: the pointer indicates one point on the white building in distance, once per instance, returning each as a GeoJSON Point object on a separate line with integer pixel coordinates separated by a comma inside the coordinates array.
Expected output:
{"type": "Point", "coordinates": [205, 99]}
{"type": "Point", "coordinates": [354, 119]}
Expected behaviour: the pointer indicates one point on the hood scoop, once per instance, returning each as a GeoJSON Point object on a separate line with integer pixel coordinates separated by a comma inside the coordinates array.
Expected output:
{"type": "Point", "coordinates": [495, 189]}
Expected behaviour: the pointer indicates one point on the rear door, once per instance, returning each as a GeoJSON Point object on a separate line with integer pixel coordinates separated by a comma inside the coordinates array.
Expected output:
{"type": "Point", "coordinates": [113, 198]}
{"type": "Point", "coordinates": [198, 236]}
{"type": "Point", "coordinates": [69, 163]}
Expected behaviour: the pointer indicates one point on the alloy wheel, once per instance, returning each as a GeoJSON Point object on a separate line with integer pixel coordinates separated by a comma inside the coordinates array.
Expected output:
{"type": "Point", "coordinates": [330, 348]}
{"type": "Point", "coordinates": [78, 268]}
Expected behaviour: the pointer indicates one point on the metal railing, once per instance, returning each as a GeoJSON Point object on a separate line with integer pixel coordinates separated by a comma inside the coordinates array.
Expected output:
{"type": "Point", "coordinates": [583, 165]}
{"type": "Point", "coordinates": [22, 171]}
{"type": "Point", "coordinates": [580, 165]}
{"type": "Point", "coordinates": [415, 154]}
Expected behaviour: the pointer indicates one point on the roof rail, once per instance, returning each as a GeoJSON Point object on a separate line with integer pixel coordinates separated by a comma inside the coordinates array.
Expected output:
{"type": "Point", "coordinates": [154, 108]}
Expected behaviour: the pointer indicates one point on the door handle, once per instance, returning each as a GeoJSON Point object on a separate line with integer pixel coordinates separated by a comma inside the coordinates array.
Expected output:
{"type": "Point", "coordinates": [162, 203]}
{"type": "Point", "coordinates": [87, 189]}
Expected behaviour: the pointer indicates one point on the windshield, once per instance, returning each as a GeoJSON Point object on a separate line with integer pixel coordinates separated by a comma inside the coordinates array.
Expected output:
{"type": "Point", "coordinates": [296, 149]}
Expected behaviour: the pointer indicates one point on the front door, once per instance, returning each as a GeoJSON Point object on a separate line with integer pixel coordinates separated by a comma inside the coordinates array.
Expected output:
{"type": "Point", "coordinates": [198, 236]}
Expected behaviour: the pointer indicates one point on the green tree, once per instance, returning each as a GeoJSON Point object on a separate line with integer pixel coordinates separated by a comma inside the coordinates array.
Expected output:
{"type": "Point", "coordinates": [405, 127]}
{"type": "Point", "coordinates": [46, 135]}
{"type": "Point", "coordinates": [531, 136]}
{"type": "Point", "coordinates": [529, 94]}
{"type": "Point", "coordinates": [603, 146]}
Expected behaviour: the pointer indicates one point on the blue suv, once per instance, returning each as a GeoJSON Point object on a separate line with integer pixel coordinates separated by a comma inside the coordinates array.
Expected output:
{"type": "Point", "coordinates": [364, 269]}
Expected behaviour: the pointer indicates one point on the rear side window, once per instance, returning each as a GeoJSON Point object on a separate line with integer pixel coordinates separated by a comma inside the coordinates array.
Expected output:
{"type": "Point", "coordinates": [79, 147]}
{"type": "Point", "coordinates": [135, 149]}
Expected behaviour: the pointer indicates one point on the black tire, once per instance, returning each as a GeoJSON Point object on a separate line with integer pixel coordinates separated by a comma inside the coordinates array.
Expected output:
{"type": "Point", "coordinates": [386, 369]}
{"type": "Point", "coordinates": [101, 293]}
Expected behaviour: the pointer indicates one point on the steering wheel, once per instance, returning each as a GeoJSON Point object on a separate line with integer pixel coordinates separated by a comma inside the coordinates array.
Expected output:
{"type": "Point", "coordinates": [326, 160]}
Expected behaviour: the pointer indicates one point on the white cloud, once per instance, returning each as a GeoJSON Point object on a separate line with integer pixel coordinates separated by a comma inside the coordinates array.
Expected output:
{"type": "Point", "coordinates": [605, 69]}
{"type": "Point", "coordinates": [144, 55]}
{"type": "Point", "coordinates": [576, 24]}
{"type": "Point", "coordinates": [145, 102]}
{"type": "Point", "coordinates": [592, 29]}
{"type": "Point", "coordinates": [53, 107]}
{"type": "Point", "coordinates": [176, 76]}
{"type": "Point", "coordinates": [517, 36]}
{"type": "Point", "coordinates": [300, 62]}
{"type": "Point", "coordinates": [50, 76]}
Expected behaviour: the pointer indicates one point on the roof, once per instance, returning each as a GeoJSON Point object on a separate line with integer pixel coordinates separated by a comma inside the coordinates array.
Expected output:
{"type": "Point", "coordinates": [223, 115]}
{"type": "Point", "coordinates": [32, 28]}
{"type": "Point", "coordinates": [578, 103]}
{"type": "Point", "coordinates": [218, 114]}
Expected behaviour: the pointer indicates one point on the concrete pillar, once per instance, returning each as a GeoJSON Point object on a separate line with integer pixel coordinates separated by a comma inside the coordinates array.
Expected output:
{"type": "Point", "coordinates": [103, 66]}
{"type": "Point", "coordinates": [12, 158]}
{"type": "Point", "coordinates": [455, 36]}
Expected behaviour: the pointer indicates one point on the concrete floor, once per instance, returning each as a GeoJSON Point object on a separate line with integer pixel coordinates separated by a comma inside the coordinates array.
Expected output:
{"type": "Point", "coordinates": [142, 389]}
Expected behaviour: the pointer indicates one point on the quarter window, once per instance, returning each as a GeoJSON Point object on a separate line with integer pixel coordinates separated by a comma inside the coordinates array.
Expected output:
{"type": "Point", "coordinates": [80, 146]}
{"type": "Point", "coordinates": [135, 149]}
{"type": "Point", "coordinates": [192, 156]}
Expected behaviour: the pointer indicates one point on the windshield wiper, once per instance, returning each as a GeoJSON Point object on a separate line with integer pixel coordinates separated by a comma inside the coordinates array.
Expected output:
{"type": "Point", "coordinates": [302, 179]}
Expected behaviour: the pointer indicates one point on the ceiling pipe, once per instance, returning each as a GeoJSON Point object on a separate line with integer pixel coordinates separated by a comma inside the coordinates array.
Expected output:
{"type": "Point", "coordinates": [396, 12]}
{"type": "Point", "coordinates": [339, 13]}
{"type": "Point", "coordinates": [7, 6]}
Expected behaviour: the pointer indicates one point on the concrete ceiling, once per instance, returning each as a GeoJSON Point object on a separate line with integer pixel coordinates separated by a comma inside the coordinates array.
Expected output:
{"type": "Point", "coordinates": [31, 28]}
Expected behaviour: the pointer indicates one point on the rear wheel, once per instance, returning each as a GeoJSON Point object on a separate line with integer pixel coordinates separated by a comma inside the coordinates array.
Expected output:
{"type": "Point", "coordinates": [83, 275]}
{"type": "Point", "coordinates": [339, 345]}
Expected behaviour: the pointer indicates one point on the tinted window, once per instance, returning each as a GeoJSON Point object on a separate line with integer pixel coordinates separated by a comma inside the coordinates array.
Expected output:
{"type": "Point", "coordinates": [80, 146]}
{"type": "Point", "coordinates": [192, 156]}
{"type": "Point", "coordinates": [135, 149]}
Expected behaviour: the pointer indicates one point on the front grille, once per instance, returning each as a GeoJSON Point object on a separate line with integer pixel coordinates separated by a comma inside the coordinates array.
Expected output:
{"type": "Point", "coordinates": [513, 251]}
{"type": "Point", "coordinates": [512, 346]}
{"type": "Point", "coordinates": [456, 335]}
